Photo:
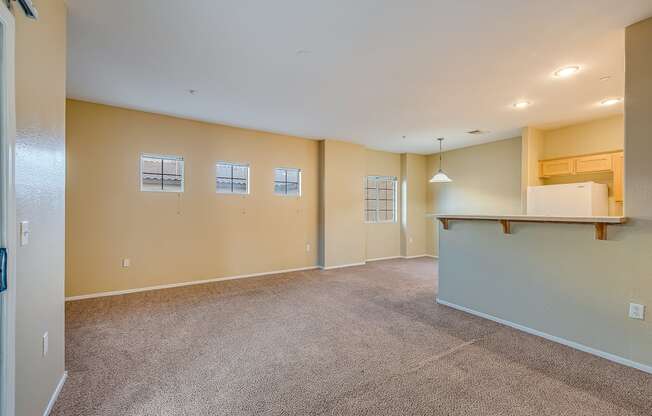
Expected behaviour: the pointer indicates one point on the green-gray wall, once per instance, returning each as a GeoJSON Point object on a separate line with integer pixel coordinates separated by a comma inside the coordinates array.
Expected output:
{"type": "Point", "coordinates": [486, 180]}
{"type": "Point", "coordinates": [557, 279]}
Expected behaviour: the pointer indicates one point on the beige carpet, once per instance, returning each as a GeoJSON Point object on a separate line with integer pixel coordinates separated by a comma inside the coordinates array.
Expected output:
{"type": "Point", "coordinates": [366, 340]}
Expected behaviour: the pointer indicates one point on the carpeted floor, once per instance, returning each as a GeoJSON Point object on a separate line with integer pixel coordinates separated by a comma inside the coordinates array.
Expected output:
{"type": "Point", "coordinates": [366, 340]}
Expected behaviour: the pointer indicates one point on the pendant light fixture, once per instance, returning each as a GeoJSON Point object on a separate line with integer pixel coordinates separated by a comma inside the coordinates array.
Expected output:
{"type": "Point", "coordinates": [440, 176]}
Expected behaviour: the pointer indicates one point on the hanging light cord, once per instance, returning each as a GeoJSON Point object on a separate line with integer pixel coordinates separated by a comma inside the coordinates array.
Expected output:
{"type": "Point", "coordinates": [440, 163]}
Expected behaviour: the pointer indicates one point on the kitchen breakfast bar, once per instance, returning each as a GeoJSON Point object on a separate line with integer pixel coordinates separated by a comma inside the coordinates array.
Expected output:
{"type": "Point", "coordinates": [555, 277]}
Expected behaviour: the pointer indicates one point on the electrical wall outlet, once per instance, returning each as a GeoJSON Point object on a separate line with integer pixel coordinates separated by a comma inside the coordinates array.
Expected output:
{"type": "Point", "coordinates": [636, 311]}
{"type": "Point", "coordinates": [307, 247]}
{"type": "Point", "coordinates": [126, 263]}
{"type": "Point", "coordinates": [411, 240]}
{"type": "Point", "coordinates": [45, 344]}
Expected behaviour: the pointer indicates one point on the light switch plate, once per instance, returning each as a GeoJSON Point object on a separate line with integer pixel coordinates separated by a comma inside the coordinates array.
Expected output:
{"type": "Point", "coordinates": [126, 263]}
{"type": "Point", "coordinates": [45, 344]}
{"type": "Point", "coordinates": [636, 311]}
{"type": "Point", "coordinates": [24, 233]}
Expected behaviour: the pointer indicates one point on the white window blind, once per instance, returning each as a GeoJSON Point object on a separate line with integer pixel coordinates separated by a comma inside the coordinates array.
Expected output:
{"type": "Point", "coordinates": [160, 173]}
{"type": "Point", "coordinates": [380, 198]}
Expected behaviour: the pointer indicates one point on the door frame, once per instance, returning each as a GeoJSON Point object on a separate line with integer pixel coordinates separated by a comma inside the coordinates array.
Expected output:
{"type": "Point", "coordinates": [8, 230]}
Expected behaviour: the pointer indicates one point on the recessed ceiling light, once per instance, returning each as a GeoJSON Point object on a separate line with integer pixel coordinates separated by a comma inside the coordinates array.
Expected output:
{"type": "Point", "coordinates": [477, 131]}
{"type": "Point", "coordinates": [192, 92]}
{"type": "Point", "coordinates": [611, 101]}
{"type": "Point", "coordinates": [303, 51]}
{"type": "Point", "coordinates": [521, 104]}
{"type": "Point", "coordinates": [567, 71]}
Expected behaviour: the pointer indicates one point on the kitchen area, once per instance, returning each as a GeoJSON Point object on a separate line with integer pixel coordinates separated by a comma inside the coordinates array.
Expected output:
{"type": "Point", "coordinates": [579, 169]}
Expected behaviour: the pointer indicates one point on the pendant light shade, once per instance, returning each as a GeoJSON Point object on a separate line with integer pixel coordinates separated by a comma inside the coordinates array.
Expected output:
{"type": "Point", "coordinates": [440, 176]}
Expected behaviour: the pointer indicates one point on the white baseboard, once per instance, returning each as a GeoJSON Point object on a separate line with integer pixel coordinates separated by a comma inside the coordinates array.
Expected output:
{"type": "Point", "coordinates": [402, 257]}
{"type": "Point", "coordinates": [563, 341]}
{"type": "Point", "coordinates": [384, 258]}
{"type": "Point", "coordinates": [193, 282]}
{"type": "Point", "coordinates": [221, 279]}
{"type": "Point", "coordinates": [55, 395]}
{"type": "Point", "coordinates": [342, 266]}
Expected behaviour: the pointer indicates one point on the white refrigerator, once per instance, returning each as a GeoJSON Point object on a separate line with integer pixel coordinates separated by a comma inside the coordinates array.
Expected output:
{"type": "Point", "coordinates": [584, 199]}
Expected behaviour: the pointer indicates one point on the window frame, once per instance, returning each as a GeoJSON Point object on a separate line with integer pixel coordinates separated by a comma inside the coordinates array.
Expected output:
{"type": "Point", "coordinates": [233, 164]}
{"type": "Point", "coordinates": [299, 183]}
{"type": "Point", "coordinates": [163, 158]}
{"type": "Point", "coordinates": [394, 209]}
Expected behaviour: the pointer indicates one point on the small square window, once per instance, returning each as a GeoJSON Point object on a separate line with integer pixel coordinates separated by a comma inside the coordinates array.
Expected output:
{"type": "Point", "coordinates": [287, 181]}
{"type": "Point", "coordinates": [159, 173]}
{"type": "Point", "coordinates": [231, 178]}
{"type": "Point", "coordinates": [380, 198]}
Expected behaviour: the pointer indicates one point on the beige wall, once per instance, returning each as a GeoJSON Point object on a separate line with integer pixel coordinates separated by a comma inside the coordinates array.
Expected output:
{"type": "Point", "coordinates": [343, 171]}
{"type": "Point", "coordinates": [383, 239]}
{"type": "Point", "coordinates": [174, 238]}
{"type": "Point", "coordinates": [215, 235]}
{"type": "Point", "coordinates": [532, 142]}
{"type": "Point", "coordinates": [601, 135]}
{"type": "Point", "coordinates": [486, 180]}
{"type": "Point", "coordinates": [40, 180]}
{"type": "Point", "coordinates": [556, 278]}
{"type": "Point", "coordinates": [414, 182]}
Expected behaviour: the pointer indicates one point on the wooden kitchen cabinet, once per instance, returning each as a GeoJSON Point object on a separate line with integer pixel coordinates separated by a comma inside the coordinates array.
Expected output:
{"type": "Point", "coordinates": [618, 162]}
{"type": "Point", "coordinates": [593, 163]}
{"type": "Point", "coordinates": [556, 167]}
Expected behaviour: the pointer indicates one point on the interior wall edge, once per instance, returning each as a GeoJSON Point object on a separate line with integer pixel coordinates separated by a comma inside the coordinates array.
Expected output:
{"type": "Point", "coordinates": [55, 393]}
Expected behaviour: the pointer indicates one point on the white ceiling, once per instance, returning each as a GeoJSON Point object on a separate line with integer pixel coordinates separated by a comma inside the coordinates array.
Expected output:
{"type": "Point", "coordinates": [371, 71]}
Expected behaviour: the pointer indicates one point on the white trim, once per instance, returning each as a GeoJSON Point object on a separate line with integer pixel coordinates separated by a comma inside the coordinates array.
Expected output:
{"type": "Point", "coordinates": [190, 283]}
{"type": "Point", "coordinates": [8, 214]}
{"type": "Point", "coordinates": [56, 393]}
{"type": "Point", "coordinates": [342, 266]}
{"type": "Point", "coordinates": [402, 257]}
{"type": "Point", "coordinates": [608, 356]}
{"type": "Point", "coordinates": [384, 258]}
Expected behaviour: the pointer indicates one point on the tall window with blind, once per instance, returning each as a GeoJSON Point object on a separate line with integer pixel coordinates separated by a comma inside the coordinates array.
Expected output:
{"type": "Point", "coordinates": [159, 173]}
{"type": "Point", "coordinates": [380, 199]}
{"type": "Point", "coordinates": [231, 178]}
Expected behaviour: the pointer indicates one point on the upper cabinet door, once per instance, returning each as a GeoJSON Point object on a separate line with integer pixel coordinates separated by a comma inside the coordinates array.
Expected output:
{"type": "Point", "coordinates": [619, 174]}
{"type": "Point", "coordinates": [594, 163]}
{"type": "Point", "coordinates": [556, 167]}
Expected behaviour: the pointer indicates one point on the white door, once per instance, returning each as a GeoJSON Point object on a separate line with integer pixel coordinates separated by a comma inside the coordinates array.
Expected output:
{"type": "Point", "coordinates": [7, 210]}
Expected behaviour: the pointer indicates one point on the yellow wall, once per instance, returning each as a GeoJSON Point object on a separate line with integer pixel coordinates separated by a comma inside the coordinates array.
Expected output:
{"type": "Point", "coordinates": [40, 180]}
{"type": "Point", "coordinates": [174, 238]}
{"type": "Point", "coordinates": [601, 135]}
{"type": "Point", "coordinates": [414, 181]}
{"type": "Point", "coordinates": [486, 180]}
{"type": "Point", "coordinates": [383, 239]}
{"type": "Point", "coordinates": [531, 153]}
{"type": "Point", "coordinates": [343, 171]}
